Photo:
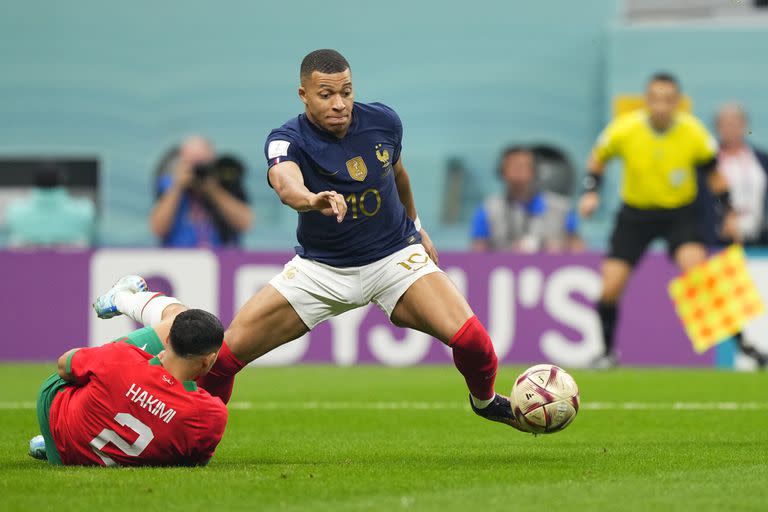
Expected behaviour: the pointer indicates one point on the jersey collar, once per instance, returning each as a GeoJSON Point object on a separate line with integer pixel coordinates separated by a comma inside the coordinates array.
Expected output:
{"type": "Point", "coordinates": [189, 385]}
{"type": "Point", "coordinates": [654, 130]}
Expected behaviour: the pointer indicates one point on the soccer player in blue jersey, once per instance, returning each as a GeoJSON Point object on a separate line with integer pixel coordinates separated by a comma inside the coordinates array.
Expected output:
{"type": "Point", "coordinates": [339, 165]}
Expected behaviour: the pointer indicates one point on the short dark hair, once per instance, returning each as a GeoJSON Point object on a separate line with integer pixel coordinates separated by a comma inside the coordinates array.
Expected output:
{"type": "Point", "coordinates": [323, 61]}
{"type": "Point", "coordinates": [664, 76]}
{"type": "Point", "coordinates": [196, 333]}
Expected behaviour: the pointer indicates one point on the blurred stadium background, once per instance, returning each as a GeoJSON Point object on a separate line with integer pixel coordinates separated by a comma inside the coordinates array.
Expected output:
{"type": "Point", "coordinates": [96, 93]}
{"type": "Point", "coordinates": [108, 88]}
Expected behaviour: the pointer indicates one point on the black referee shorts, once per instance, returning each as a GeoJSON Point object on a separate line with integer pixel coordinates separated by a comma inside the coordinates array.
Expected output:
{"type": "Point", "coordinates": [635, 229]}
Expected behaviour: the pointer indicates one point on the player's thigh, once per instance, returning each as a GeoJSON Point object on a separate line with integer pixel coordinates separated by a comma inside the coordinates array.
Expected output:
{"type": "Point", "coordinates": [685, 238]}
{"type": "Point", "coordinates": [633, 231]}
{"type": "Point", "coordinates": [615, 273]}
{"type": "Point", "coordinates": [163, 329]}
{"type": "Point", "coordinates": [264, 323]}
{"type": "Point", "coordinates": [432, 304]}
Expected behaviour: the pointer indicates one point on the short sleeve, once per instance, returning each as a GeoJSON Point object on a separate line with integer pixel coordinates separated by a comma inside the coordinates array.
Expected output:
{"type": "Point", "coordinates": [398, 128]}
{"type": "Point", "coordinates": [396, 125]}
{"type": "Point", "coordinates": [607, 145]}
{"type": "Point", "coordinates": [164, 182]}
{"type": "Point", "coordinates": [572, 222]}
{"type": "Point", "coordinates": [83, 363]}
{"type": "Point", "coordinates": [280, 147]}
{"type": "Point", "coordinates": [480, 228]}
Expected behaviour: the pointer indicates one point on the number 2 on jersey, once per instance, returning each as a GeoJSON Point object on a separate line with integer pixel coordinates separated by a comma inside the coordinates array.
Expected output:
{"type": "Point", "coordinates": [107, 436]}
{"type": "Point", "coordinates": [358, 203]}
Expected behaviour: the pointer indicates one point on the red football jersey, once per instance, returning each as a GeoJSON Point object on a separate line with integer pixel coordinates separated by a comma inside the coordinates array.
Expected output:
{"type": "Point", "coordinates": [126, 409]}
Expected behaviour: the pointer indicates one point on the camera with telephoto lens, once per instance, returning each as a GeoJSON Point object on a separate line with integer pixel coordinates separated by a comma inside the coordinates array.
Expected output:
{"type": "Point", "coordinates": [203, 171]}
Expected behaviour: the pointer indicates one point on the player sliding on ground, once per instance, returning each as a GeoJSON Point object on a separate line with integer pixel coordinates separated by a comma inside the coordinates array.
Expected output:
{"type": "Point", "coordinates": [135, 401]}
{"type": "Point", "coordinates": [339, 165]}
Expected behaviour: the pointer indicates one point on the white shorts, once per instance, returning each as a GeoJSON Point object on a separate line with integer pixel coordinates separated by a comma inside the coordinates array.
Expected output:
{"type": "Point", "coordinates": [318, 292]}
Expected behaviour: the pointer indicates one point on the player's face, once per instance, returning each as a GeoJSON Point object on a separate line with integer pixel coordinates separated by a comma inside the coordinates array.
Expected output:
{"type": "Point", "coordinates": [328, 98]}
{"type": "Point", "coordinates": [663, 99]}
{"type": "Point", "coordinates": [518, 172]}
{"type": "Point", "coordinates": [731, 127]}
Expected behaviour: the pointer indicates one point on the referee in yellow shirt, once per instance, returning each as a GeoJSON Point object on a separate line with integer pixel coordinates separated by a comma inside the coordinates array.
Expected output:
{"type": "Point", "coordinates": [662, 150]}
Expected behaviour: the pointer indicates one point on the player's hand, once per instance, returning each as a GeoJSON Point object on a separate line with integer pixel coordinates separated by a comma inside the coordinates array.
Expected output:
{"type": "Point", "coordinates": [429, 246]}
{"type": "Point", "coordinates": [730, 230]}
{"type": "Point", "coordinates": [330, 204]}
{"type": "Point", "coordinates": [589, 204]}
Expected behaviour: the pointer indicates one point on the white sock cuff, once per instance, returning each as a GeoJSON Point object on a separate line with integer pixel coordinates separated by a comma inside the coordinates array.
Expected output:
{"type": "Point", "coordinates": [481, 404]}
{"type": "Point", "coordinates": [152, 313]}
{"type": "Point", "coordinates": [144, 307]}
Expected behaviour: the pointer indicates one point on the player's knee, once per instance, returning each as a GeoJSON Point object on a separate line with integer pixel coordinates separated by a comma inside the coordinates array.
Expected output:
{"type": "Point", "coordinates": [689, 255]}
{"type": "Point", "coordinates": [172, 311]}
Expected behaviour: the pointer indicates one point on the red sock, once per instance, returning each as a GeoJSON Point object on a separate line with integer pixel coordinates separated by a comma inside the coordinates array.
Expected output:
{"type": "Point", "coordinates": [475, 358]}
{"type": "Point", "coordinates": [220, 380]}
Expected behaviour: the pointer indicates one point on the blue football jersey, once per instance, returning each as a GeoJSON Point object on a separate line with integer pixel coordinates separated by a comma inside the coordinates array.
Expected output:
{"type": "Point", "coordinates": [360, 167]}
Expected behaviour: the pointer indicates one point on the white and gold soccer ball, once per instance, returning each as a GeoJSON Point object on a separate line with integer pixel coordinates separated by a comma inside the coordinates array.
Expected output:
{"type": "Point", "coordinates": [545, 399]}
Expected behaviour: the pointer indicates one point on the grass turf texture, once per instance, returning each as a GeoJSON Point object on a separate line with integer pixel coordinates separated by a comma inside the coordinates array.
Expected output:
{"type": "Point", "coordinates": [426, 459]}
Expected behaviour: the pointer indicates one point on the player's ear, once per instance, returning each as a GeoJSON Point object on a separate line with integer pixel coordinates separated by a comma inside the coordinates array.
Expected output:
{"type": "Point", "coordinates": [303, 94]}
{"type": "Point", "coordinates": [208, 361]}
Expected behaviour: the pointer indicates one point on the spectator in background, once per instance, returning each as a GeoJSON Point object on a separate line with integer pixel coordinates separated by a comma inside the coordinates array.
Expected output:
{"type": "Point", "coordinates": [201, 201]}
{"type": "Point", "coordinates": [524, 218]}
{"type": "Point", "coordinates": [50, 217]}
{"type": "Point", "coordinates": [744, 168]}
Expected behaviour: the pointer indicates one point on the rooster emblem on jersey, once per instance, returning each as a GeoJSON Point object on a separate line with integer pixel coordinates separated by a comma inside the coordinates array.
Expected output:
{"type": "Point", "coordinates": [383, 157]}
{"type": "Point", "coordinates": [357, 169]}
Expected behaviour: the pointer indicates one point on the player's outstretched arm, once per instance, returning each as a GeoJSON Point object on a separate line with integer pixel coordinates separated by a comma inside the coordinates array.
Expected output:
{"type": "Point", "coordinates": [719, 186]}
{"type": "Point", "coordinates": [590, 199]}
{"type": "Point", "coordinates": [288, 183]}
{"type": "Point", "coordinates": [403, 184]}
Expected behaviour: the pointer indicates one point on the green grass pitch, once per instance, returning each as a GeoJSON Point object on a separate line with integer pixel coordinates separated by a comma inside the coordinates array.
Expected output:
{"type": "Point", "coordinates": [371, 438]}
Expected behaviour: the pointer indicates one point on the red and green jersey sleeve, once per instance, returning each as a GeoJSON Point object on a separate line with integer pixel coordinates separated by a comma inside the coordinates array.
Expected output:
{"type": "Point", "coordinates": [83, 363]}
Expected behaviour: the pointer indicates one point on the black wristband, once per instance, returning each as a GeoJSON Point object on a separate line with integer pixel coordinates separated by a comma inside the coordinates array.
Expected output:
{"type": "Point", "coordinates": [592, 182]}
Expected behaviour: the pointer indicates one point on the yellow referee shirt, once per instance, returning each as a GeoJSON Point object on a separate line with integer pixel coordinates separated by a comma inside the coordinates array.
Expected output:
{"type": "Point", "coordinates": [659, 168]}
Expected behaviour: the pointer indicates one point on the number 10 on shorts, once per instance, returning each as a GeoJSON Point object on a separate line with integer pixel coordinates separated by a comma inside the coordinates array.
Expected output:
{"type": "Point", "coordinates": [415, 262]}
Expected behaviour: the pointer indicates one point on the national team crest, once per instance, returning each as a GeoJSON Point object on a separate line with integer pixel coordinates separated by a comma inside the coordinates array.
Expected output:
{"type": "Point", "coordinates": [357, 169]}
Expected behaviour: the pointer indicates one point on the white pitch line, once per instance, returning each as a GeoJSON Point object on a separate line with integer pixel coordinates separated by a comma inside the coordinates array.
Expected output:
{"type": "Point", "coordinates": [430, 406]}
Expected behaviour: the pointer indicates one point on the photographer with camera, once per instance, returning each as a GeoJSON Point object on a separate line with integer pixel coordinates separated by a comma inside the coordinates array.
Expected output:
{"type": "Point", "coordinates": [200, 201]}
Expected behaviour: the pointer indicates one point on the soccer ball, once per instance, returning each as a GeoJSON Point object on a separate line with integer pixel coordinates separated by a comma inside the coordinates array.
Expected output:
{"type": "Point", "coordinates": [545, 399]}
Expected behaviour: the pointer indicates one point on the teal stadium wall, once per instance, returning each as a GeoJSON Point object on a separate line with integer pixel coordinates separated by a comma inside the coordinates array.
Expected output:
{"type": "Point", "coordinates": [715, 63]}
{"type": "Point", "coordinates": [125, 80]}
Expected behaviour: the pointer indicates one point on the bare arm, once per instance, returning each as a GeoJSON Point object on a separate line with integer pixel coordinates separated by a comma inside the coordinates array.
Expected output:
{"type": "Point", "coordinates": [404, 191]}
{"type": "Point", "coordinates": [595, 166]}
{"type": "Point", "coordinates": [62, 366]}
{"type": "Point", "coordinates": [236, 213]}
{"type": "Point", "coordinates": [164, 211]}
{"type": "Point", "coordinates": [590, 201]}
{"type": "Point", "coordinates": [403, 184]}
{"type": "Point", "coordinates": [288, 183]}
